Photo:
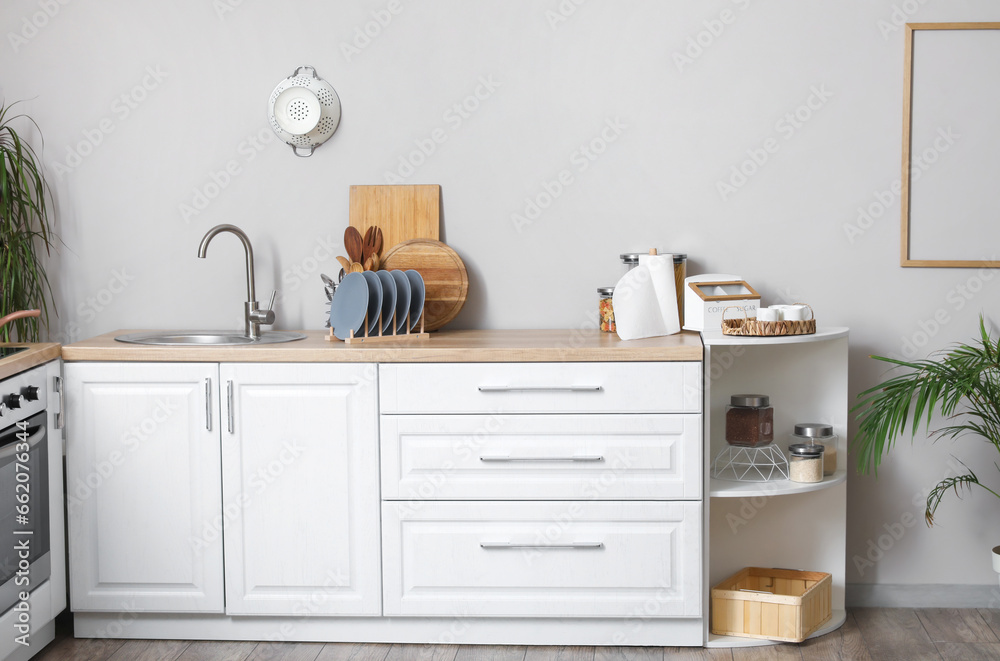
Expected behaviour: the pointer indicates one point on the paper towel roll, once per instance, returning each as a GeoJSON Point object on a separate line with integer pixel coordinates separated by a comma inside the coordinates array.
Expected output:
{"type": "Point", "coordinates": [645, 299]}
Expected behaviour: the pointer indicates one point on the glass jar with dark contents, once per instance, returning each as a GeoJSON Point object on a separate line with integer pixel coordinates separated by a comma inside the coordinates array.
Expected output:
{"type": "Point", "coordinates": [749, 421]}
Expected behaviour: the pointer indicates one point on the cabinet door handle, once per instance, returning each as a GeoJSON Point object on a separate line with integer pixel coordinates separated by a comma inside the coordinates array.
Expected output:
{"type": "Point", "coordinates": [574, 546]}
{"type": "Point", "coordinates": [60, 417]}
{"type": "Point", "coordinates": [582, 458]}
{"type": "Point", "coordinates": [229, 404]}
{"type": "Point", "coordinates": [208, 404]}
{"type": "Point", "coordinates": [541, 388]}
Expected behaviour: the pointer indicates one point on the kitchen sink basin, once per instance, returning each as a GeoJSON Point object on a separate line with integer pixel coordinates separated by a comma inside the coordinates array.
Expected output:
{"type": "Point", "coordinates": [207, 338]}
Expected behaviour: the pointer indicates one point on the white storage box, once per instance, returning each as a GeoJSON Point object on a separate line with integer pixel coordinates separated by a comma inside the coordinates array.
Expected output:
{"type": "Point", "coordinates": [706, 298]}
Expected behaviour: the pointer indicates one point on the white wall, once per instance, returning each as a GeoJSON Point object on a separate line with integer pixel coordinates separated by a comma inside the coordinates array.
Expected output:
{"type": "Point", "coordinates": [557, 84]}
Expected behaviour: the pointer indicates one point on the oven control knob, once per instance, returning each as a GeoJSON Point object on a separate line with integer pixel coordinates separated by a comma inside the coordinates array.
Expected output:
{"type": "Point", "coordinates": [13, 401]}
{"type": "Point", "coordinates": [30, 394]}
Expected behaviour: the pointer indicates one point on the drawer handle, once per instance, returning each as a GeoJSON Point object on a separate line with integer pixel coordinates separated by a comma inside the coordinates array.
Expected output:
{"type": "Point", "coordinates": [581, 458]}
{"type": "Point", "coordinates": [541, 388]}
{"type": "Point", "coordinates": [545, 547]}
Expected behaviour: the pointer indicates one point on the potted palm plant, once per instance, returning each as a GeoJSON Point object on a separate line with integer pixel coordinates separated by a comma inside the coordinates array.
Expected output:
{"type": "Point", "coordinates": [24, 230]}
{"type": "Point", "coordinates": [961, 383]}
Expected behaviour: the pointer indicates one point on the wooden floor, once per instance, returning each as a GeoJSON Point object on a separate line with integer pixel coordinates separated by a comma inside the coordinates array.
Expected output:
{"type": "Point", "coordinates": [876, 634]}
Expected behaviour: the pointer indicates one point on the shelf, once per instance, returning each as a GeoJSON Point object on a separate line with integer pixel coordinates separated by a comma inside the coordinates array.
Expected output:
{"type": "Point", "coordinates": [836, 621]}
{"type": "Point", "coordinates": [727, 489]}
{"type": "Point", "coordinates": [822, 334]}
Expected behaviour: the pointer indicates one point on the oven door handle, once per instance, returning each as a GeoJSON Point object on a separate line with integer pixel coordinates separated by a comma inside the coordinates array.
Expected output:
{"type": "Point", "coordinates": [9, 441]}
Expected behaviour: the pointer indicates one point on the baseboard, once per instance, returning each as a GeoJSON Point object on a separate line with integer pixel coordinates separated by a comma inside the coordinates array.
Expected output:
{"type": "Point", "coordinates": [874, 595]}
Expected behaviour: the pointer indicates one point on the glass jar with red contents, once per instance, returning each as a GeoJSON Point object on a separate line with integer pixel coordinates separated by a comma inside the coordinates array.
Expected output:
{"type": "Point", "coordinates": [605, 311]}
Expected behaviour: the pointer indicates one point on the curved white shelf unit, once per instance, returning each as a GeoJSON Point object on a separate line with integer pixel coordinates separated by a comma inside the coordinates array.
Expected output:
{"type": "Point", "coordinates": [836, 621]}
{"type": "Point", "coordinates": [729, 489]}
{"type": "Point", "coordinates": [806, 378]}
{"type": "Point", "coordinates": [716, 338]}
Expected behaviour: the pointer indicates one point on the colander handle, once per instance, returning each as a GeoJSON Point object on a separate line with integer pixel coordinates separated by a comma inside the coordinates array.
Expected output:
{"type": "Point", "coordinates": [305, 66]}
{"type": "Point", "coordinates": [296, 148]}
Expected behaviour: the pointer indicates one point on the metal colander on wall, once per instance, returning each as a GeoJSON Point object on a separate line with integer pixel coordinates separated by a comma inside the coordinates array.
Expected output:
{"type": "Point", "coordinates": [304, 111]}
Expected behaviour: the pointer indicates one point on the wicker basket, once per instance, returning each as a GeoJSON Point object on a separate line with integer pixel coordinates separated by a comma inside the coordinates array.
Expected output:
{"type": "Point", "coordinates": [752, 327]}
{"type": "Point", "coordinates": [774, 604]}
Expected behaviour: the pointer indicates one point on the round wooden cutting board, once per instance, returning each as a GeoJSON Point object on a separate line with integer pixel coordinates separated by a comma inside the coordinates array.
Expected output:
{"type": "Point", "coordinates": [444, 275]}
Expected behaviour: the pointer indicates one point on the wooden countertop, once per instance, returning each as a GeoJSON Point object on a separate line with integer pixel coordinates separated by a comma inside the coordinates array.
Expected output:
{"type": "Point", "coordinates": [36, 354]}
{"type": "Point", "coordinates": [471, 346]}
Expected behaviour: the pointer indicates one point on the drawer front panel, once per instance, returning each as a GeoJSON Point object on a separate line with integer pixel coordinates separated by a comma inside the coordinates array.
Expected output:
{"type": "Point", "coordinates": [540, 388]}
{"type": "Point", "coordinates": [541, 457]}
{"type": "Point", "coordinates": [555, 559]}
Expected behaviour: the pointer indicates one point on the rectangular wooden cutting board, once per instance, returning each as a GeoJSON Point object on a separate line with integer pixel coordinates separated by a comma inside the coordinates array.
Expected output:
{"type": "Point", "coordinates": [402, 212]}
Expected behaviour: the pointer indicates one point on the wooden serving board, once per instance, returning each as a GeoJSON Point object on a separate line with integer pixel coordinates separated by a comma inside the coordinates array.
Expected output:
{"type": "Point", "coordinates": [402, 212]}
{"type": "Point", "coordinates": [444, 275]}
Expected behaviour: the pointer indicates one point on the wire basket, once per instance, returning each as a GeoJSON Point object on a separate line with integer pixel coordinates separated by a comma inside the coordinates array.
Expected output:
{"type": "Point", "coordinates": [745, 464]}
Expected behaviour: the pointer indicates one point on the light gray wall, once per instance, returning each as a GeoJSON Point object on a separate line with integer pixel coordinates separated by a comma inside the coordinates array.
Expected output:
{"type": "Point", "coordinates": [129, 256]}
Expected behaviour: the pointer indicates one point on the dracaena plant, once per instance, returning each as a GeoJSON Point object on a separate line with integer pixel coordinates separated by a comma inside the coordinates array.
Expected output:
{"type": "Point", "coordinates": [961, 384]}
{"type": "Point", "coordinates": [24, 230]}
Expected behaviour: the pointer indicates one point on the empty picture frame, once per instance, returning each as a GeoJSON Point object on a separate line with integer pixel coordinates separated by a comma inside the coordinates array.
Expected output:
{"type": "Point", "coordinates": [951, 146]}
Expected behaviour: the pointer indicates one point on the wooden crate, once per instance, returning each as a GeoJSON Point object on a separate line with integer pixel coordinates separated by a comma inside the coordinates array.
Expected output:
{"type": "Point", "coordinates": [777, 604]}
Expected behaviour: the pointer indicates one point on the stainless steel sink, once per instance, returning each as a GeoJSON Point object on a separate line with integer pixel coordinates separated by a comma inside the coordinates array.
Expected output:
{"type": "Point", "coordinates": [207, 338]}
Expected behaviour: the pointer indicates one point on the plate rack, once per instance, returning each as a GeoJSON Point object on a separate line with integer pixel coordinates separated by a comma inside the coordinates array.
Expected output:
{"type": "Point", "coordinates": [366, 338]}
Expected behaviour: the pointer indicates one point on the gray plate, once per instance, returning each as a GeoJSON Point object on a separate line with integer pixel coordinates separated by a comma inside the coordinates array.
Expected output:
{"type": "Point", "coordinates": [388, 299]}
{"type": "Point", "coordinates": [402, 299]}
{"type": "Point", "coordinates": [349, 305]}
{"type": "Point", "coordinates": [374, 300]}
{"type": "Point", "coordinates": [417, 292]}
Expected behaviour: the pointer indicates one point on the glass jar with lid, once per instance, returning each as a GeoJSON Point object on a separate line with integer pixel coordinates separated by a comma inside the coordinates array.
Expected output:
{"type": "Point", "coordinates": [749, 421]}
{"type": "Point", "coordinates": [605, 310]}
{"type": "Point", "coordinates": [805, 462]}
{"type": "Point", "coordinates": [818, 433]}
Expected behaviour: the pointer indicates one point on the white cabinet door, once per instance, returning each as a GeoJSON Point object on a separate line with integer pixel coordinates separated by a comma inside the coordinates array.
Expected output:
{"type": "Point", "coordinates": [144, 487]}
{"type": "Point", "coordinates": [300, 456]}
{"type": "Point", "coordinates": [543, 559]}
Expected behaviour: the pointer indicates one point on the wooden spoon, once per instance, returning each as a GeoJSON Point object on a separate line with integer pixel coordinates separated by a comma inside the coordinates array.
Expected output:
{"type": "Point", "coordinates": [369, 263]}
{"type": "Point", "coordinates": [344, 262]}
{"type": "Point", "coordinates": [357, 268]}
{"type": "Point", "coordinates": [368, 243]}
{"type": "Point", "coordinates": [354, 244]}
{"type": "Point", "coordinates": [376, 261]}
{"type": "Point", "coordinates": [377, 241]}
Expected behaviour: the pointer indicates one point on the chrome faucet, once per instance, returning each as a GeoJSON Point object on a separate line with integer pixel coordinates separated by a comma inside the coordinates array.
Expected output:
{"type": "Point", "coordinates": [254, 316]}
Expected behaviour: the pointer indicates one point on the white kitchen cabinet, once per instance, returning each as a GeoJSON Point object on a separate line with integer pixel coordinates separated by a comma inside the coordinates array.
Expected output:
{"type": "Point", "coordinates": [548, 491]}
{"type": "Point", "coordinates": [293, 489]}
{"type": "Point", "coordinates": [300, 467]}
{"type": "Point", "coordinates": [144, 484]}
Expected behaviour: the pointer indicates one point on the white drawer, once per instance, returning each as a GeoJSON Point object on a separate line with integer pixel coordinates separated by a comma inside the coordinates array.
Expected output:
{"type": "Point", "coordinates": [553, 559]}
{"type": "Point", "coordinates": [541, 457]}
{"type": "Point", "coordinates": [540, 388]}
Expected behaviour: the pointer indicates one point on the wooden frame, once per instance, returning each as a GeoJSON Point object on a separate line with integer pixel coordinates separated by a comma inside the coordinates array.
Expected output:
{"type": "Point", "coordinates": [905, 233]}
{"type": "Point", "coordinates": [696, 288]}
